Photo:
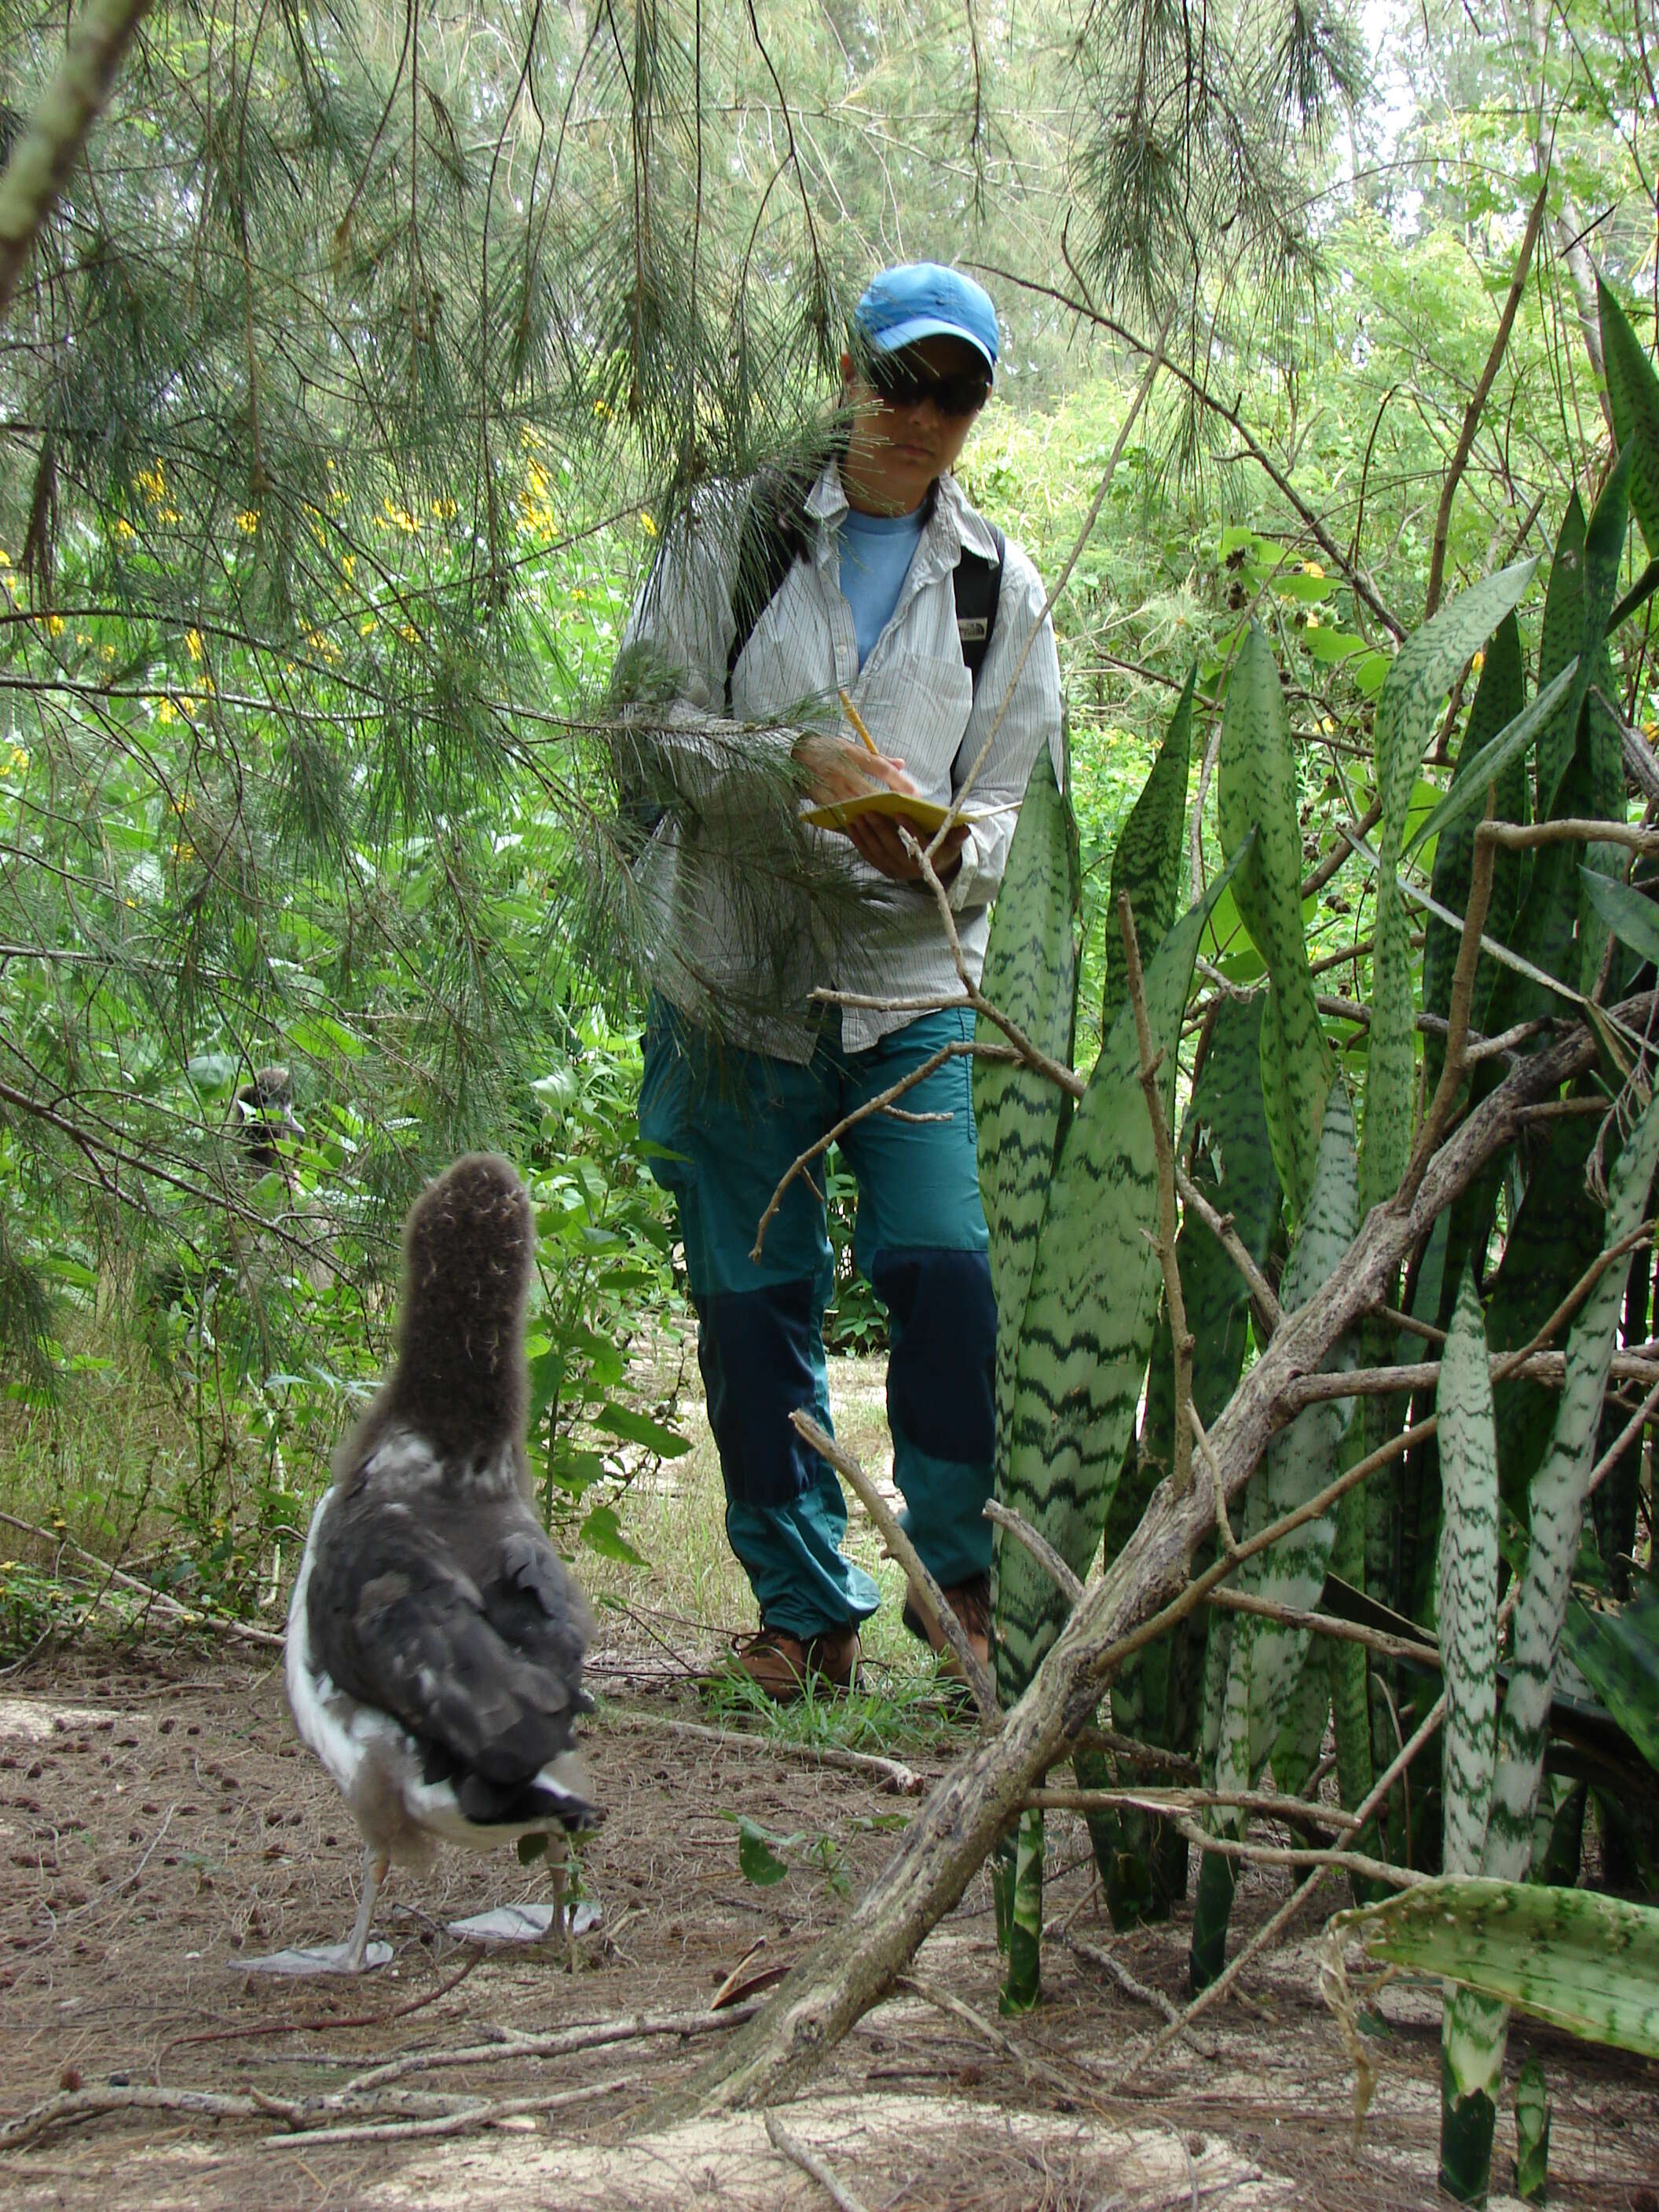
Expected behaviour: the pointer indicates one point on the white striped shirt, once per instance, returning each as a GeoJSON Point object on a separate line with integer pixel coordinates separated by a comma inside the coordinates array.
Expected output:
{"type": "Point", "coordinates": [728, 940]}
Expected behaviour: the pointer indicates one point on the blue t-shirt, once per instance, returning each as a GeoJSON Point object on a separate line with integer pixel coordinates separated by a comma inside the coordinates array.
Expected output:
{"type": "Point", "coordinates": [876, 552]}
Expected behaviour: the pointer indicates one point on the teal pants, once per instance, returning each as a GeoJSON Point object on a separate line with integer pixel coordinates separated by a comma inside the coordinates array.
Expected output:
{"type": "Point", "coordinates": [724, 1125]}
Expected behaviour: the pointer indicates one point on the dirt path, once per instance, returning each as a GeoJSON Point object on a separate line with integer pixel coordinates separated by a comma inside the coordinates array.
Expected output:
{"type": "Point", "coordinates": [156, 1822]}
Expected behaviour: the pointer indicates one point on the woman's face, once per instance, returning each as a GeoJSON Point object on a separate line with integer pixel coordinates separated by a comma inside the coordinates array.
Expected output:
{"type": "Point", "coordinates": [895, 450]}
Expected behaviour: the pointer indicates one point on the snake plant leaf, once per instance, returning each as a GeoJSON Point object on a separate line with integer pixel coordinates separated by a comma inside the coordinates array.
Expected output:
{"type": "Point", "coordinates": [1022, 1986]}
{"type": "Point", "coordinates": [1422, 673]}
{"type": "Point", "coordinates": [1618, 1653]}
{"type": "Point", "coordinates": [1559, 1494]}
{"type": "Point", "coordinates": [1257, 790]}
{"type": "Point", "coordinates": [1633, 398]}
{"type": "Point", "coordinates": [1586, 1963]}
{"type": "Point", "coordinates": [1499, 698]}
{"type": "Point", "coordinates": [1147, 858]}
{"type": "Point", "coordinates": [1634, 920]}
{"type": "Point", "coordinates": [1230, 1161]}
{"type": "Point", "coordinates": [1532, 2133]}
{"type": "Point", "coordinates": [1030, 974]}
{"type": "Point", "coordinates": [1266, 1658]}
{"type": "Point", "coordinates": [1469, 787]}
{"type": "Point", "coordinates": [1469, 1581]}
{"type": "Point", "coordinates": [1088, 1317]}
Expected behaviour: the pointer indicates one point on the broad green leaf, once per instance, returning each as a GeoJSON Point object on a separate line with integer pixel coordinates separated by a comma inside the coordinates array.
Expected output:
{"type": "Point", "coordinates": [1633, 919]}
{"type": "Point", "coordinates": [758, 1862]}
{"type": "Point", "coordinates": [1586, 1962]}
{"type": "Point", "coordinates": [1618, 1653]}
{"type": "Point", "coordinates": [1468, 790]}
{"type": "Point", "coordinates": [602, 1533]}
{"type": "Point", "coordinates": [1423, 672]}
{"type": "Point", "coordinates": [1147, 858]}
{"type": "Point", "coordinates": [1088, 1317]}
{"type": "Point", "coordinates": [1257, 791]}
{"type": "Point", "coordinates": [636, 1428]}
{"type": "Point", "coordinates": [1030, 974]}
{"type": "Point", "coordinates": [1633, 397]}
{"type": "Point", "coordinates": [1467, 1611]}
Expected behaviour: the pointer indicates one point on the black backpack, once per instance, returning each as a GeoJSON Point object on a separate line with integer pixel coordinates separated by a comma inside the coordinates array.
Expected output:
{"type": "Point", "coordinates": [776, 534]}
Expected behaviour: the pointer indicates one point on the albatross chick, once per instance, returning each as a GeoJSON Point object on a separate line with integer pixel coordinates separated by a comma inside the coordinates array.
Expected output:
{"type": "Point", "coordinates": [434, 1637]}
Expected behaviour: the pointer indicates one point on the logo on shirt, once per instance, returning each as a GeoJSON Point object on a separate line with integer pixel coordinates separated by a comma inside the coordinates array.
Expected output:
{"type": "Point", "coordinates": [974, 629]}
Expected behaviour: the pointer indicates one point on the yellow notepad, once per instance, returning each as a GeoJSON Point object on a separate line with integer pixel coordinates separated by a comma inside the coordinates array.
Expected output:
{"type": "Point", "coordinates": [922, 814]}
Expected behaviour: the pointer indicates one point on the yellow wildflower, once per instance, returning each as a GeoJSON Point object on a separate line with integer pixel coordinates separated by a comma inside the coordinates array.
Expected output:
{"type": "Point", "coordinates": [16, 760]}
{"type": "Point", "coordinates": [647, 523]}
{"type": "Point", "coordinates": [55, 625]}
{"type": "Point", "coordinates": [248, 521]}
{"type": "Point", "coordinates": [1479, 661]}
{"type": "Point", "coordinates": [1311, 568]}
{"type": "Point", "coordinates": [349, 566]}
{"type": "Point", "coordinates": [365, 625]}
{"type": "Point", "coordinates": [123, 530]}
{"type": "Point", "coordinates": [152, 481]}
{"type": "Point", "coordinates": [444, 509]}
{"type": "Point", "coordinates": [193, 643]}
{"type": "Point", "coordinates": [164, 711]}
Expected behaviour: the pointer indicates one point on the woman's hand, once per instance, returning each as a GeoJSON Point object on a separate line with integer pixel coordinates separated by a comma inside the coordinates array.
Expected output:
{"type": "Point", "coordinates": [837, 769]}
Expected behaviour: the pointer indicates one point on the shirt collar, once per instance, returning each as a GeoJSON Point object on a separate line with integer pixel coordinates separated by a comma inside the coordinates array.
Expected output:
{"type": "Point", "coordinates": [951, 524]}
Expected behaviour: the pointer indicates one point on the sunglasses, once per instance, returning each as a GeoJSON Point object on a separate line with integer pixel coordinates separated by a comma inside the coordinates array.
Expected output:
{"type": "Point", "coordinates": [900, 383]}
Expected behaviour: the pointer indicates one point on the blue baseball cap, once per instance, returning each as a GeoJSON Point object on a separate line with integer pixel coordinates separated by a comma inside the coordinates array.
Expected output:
{"type": "Point", "coordinates": [921, 300]}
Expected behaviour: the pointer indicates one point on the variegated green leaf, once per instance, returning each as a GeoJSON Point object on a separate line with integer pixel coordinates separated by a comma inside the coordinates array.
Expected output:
{"type": "Point", "coordinates": [1147, 858]}
{"type": "Point", "coordinates": [1559, 1492]}
{"type": "Point", "coordinates": [1266, 1659]}
{"type": "Point", "coordinates": [1586, 1962]}
{"type": "Point", "coordinates": [1633, 918]}
{"type": "Point", "coordinates": [1423, 672]}
{"type": "Point", "coordinates": [1467, 1611]}
{"type": "Point", "coordinates": [1022, 1985]}
{"type": "Point", "coordinates": [1088, 1317]}
{"type": "Point", "coordinates": [1030, 974]}
{"type": "Point", "coordinates": [1468, 792]}
{"type": "Point", "coordinates": [1617, 1654]}
{"type": "Point", "coordinates": [1257, 790]}
{"type": "Point", "coordinates": [1532, 2133]}
{"type": "Point", "coordinates": [1633, 397]}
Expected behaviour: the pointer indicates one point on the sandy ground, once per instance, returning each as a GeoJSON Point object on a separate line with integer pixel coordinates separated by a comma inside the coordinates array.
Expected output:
{"type": "Point", "coordinates": [160, 1822]}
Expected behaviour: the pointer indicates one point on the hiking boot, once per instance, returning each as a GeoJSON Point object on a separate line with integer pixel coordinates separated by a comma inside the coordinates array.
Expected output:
{"type": "Point", "coordinates": [780, 1664]}
{"type": "Point", "coordinates": [970, 1602]}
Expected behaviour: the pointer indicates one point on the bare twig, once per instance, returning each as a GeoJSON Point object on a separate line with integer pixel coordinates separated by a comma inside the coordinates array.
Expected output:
{"type": "Point", "coordinates": [1434, 1121]}
{"type": "Point", "coordinates": [927, 1591]}
{"type": "Point", "coordinates": [1109, 1964]}
{"type": "Point", "coordinates": [1622, 1443]}
{"type": "Point", "coordinates": [888, 1774]}
{"type": "Point", "coordinates": [1547, 1367]}
{"type": "Point", "coordinates": [1039, 1548]}
{"type": "Point", "coordinates": [955, 2007]}
{"type": "Point", "coordinates": [1220, 1227]}
{"type": "Point", "coordinates": [1476, 407]}
{"type": "Point", "coordinates": [1569, 830]}
{"type": "Point", "coordinates": [1270, 1803]}
{"type": "Point", "coordinates": [1325, 1624]}
{"type": "Point", "coordinates": [1359, 1863]}
{"type": "Point", "coordinates": [1181, 1335]}
{"type": "Point", "coordinates": [797, 2153]}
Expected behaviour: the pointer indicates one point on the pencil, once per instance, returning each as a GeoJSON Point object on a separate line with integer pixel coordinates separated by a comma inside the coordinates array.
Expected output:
{"type": "Point", "coordinates": [857, 720]}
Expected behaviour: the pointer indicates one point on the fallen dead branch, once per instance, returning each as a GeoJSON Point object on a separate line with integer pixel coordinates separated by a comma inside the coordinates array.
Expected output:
{"type": "Point", "coordinates": [368, 2108]}
{"type": "Point", "coordinates": [955, 1826]}
{"type": "Point", "coordinates": [888, 1774]}
{"type": "Point", "coordinates": [187, 1616]}
{"type": "Point", "coordinates": [797, 2153]}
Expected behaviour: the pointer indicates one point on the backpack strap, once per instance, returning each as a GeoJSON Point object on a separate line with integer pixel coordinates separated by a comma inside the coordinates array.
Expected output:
{"type": "Point", "coordinates": [773, 538]}
{"type": "Point", "coordinates": [978, 584]}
